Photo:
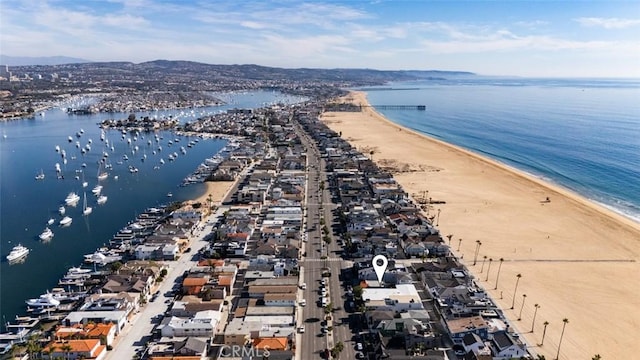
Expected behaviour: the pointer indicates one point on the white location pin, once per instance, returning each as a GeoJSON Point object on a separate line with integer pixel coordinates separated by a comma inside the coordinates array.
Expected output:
{"type": "Point", "coordinates": [380, 265]}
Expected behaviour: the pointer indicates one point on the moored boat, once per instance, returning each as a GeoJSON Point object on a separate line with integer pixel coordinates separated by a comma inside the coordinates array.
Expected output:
{"type": "Point", "coordinates": [72, 199]}
{"type": "Point", "coordinates": [18, 252]}
{"type": "Point", "coordinates": [102, 199]}
{"type": "Point", "coordinates": [47, 234]}
{"type": "Point", "coordinates": [66, 221]}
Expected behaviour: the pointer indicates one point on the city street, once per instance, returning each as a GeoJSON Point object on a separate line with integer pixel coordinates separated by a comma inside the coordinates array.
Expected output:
{"type": "Point", "coordinates": [319, 206]}
{"type": "Point", "coordinates": [138, 332]}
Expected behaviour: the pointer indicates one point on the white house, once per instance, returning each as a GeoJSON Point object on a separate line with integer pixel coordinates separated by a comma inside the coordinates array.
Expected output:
{"type": "Point", "coordinates": [203, 323]}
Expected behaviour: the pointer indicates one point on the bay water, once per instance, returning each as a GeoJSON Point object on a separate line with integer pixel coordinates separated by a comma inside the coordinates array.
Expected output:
{"type": "Point", "coordinates": [27, 147]}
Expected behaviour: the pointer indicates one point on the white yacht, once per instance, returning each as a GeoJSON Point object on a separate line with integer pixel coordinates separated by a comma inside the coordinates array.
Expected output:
{"type": "Point", "coordinates": [66, 221]}
{"type": "Point", "coordinates": [96, 190]}
{"type": "Point", "coordinates": [44, 301]}
{"type": "Point", "coordinates": [61, 210]}
{"type": "Point", "coordinates": [51, 221]}
{"type": "Point", "coordinates": [17, 253]}
{"type": "Point", "coordinates": [102, 199]}
{"type": "Point", "coordinates": [72, 199]}
{"type": "Point", "coordinates": [47, 234]}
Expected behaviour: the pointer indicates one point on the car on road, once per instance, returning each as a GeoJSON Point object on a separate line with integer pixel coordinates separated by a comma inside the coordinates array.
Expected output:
{"type": "Point", "coordinates": [303, 286]}
{"type": "Point", "coordinates": [303, 302]}
{"type": "Point", "coordinates": [301, 329]}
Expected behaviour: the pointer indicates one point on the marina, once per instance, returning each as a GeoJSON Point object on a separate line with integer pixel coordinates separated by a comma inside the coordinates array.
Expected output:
{"type": "Point", "coordinates": [39, 143]}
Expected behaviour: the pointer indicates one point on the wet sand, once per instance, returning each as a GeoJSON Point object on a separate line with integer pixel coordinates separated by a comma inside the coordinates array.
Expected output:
{"type": "Point", "coordinates": [578, 260]}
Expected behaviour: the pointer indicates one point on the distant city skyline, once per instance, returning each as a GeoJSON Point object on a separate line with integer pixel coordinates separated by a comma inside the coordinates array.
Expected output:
{"type": "Point", "coordinates": [512, 38]}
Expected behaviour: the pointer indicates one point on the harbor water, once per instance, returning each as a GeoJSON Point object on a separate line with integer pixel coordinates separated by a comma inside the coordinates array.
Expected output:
{"type": "Point", "coordinates": [28, 148]}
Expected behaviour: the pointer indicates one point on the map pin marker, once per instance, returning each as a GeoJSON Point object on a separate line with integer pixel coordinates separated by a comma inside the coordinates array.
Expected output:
{"type": "Point", "coordinates": [380, 266]}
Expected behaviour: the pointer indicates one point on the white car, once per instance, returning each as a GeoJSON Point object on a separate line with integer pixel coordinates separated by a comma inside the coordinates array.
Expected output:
{"type": "Point", "coordinates": [303, 286]}
{"type": "Point", "coordinates": [359, 346]}
{"type": "Point", "coordinates": [301, 329]}
{"type": "Point", "coordinates": [323, 292]}
{"type": "Point", "coordinates": [303, 302]}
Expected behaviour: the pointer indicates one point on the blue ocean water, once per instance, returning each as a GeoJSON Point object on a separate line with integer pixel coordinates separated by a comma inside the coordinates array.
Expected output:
{"type": "Point", "coordinates": [581, 134]}
{"type": "Point", "coordinates": [26, 204]}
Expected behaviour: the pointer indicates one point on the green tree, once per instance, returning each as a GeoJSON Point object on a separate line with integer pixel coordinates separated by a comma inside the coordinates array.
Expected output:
{"type": "Point", "coordinates": [357, 291]}
{"type": "Point", "coordinates": [596, 357]}
{"type": "Point", "coordinates": [115, 267]}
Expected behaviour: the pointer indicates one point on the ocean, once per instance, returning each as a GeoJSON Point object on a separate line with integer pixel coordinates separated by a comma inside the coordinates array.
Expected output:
{"type": "Point", "coordinates": [26, 204]}
{"type": "Point", "coordinates": [581, 134]}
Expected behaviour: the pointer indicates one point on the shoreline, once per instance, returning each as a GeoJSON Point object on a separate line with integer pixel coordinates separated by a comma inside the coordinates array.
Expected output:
{"type": "Point", "coordinates": [554, 245]}
{"type": "Point", "coordinates": [552, 186]}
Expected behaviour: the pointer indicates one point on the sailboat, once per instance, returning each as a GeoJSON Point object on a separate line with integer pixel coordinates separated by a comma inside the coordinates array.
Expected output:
{"type": "Point", "coordinates": [102, 175]}
{"type": "Point", "coordinates": [40, 176]}
{"type": "Point", "coordinates": [86, 210]}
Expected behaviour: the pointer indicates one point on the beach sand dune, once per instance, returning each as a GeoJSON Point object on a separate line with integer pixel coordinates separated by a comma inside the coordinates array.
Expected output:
{"type": "Point", "coordinates": [578, 260]}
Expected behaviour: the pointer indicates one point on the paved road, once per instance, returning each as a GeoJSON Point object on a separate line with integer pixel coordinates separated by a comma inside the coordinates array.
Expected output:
{"type": "Point", "coordinates": [318, 205]}
{"type": "Point", "coordinates": [139, 330]}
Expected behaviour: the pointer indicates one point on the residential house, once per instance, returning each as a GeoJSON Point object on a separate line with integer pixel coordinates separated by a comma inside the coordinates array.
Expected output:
{"type": "Point", "coordinates": [89, 349]}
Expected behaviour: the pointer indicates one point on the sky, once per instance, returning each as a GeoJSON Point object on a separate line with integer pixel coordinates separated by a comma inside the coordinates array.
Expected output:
{"type": "Point", "coordinates": [514, 38]}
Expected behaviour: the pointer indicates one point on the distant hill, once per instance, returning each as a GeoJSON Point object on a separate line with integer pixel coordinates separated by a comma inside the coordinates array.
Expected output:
{"type": "Point", "coordinates": [44, 60]}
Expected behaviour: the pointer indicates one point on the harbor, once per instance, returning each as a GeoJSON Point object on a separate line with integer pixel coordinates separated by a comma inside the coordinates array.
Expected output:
{"type": "Point", "coordinates": [30, 147]}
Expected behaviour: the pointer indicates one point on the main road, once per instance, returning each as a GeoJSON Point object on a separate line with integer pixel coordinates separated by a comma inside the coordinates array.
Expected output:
{"type": "Point", "coordinates": [320, 257]}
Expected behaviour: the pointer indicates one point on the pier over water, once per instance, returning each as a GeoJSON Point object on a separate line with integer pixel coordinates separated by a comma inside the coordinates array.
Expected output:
{"type": "Point", "coordinates": [357, 108]}
{"type": "Point", "coordinates": [400, 107]}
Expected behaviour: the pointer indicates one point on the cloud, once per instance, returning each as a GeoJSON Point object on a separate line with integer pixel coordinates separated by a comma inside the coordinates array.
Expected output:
{"type": "Point", "coordinates": [253, 25]}
{"type": "Point", "coordinates": [608, 23]}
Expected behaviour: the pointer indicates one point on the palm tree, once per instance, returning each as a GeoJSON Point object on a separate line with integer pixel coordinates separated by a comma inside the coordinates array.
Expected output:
{"type": "Point", "coordinates": [450, 236]}
{"type": "Point", "coordinates": [459, 243]}
{"type": "Point", "coordinates": [475, 256]}
{"type": "Point", "coordinates": [484, 259]}
{"type": "Point", "coordinates": [596, 357]}
{"type": "Point", "coordinates": [565, 321]}
{"type": "Point", "coordinates": [544, 332]}
{"type": "Point", "coordinates": [498, 275]}
{"type": "Point", "coordinates": [513, 302]}
{"type": "Point", "coordinates": [524, 297]}
{"type": "Point", "coordinates": [488, 269]}
{"type": "Point", "coordinates": [67, 349]}
{"type": "Point", "coordinates": [535, 312]}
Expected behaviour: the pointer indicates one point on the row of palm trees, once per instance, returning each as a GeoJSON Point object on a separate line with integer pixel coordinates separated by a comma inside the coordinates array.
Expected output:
{"type": "Point", "coordinates": [536, 306]}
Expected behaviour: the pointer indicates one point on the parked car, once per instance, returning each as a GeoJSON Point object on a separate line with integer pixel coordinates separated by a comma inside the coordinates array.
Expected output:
{"type": "Point", "coordinates": [359, 346]}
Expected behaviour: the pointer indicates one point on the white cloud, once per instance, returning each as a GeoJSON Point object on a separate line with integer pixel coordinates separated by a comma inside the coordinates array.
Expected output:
{"type": "Point", "coordinates": [608, 23]}
{"type": "Point", "coordinates": [253, 25]}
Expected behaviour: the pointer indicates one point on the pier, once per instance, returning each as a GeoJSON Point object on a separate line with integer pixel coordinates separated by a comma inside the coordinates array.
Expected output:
{"type": "Point", "coordinates": [400, 107]}
{"type": "Point", "coordinates": [343, 107]}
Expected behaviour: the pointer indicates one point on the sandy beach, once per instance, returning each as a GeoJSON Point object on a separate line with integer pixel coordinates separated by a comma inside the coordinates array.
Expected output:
{"type": "Point", "coordinates": [578, 260]}
{"type": "Point", "coordinates": [217, 189]}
